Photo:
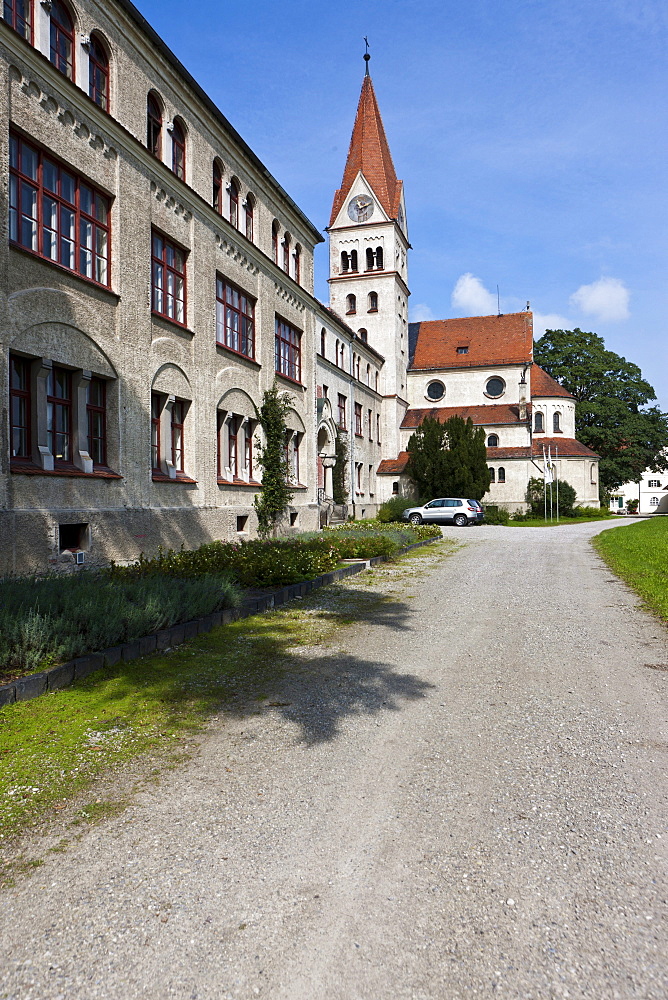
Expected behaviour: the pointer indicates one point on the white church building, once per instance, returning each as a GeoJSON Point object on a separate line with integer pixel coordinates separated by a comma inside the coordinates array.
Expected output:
{"type": "Point", "coordinates": [479, 367]}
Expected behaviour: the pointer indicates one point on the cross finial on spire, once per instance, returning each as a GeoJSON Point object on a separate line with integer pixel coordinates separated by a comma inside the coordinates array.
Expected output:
{"type": "Point", "coordinates": [366, 55]}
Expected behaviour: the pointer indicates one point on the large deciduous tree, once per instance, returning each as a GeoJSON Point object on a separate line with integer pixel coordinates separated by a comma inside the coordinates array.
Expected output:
{"type": "Point", "coordinates": [448, 459]}
{"type": "Point", "coordinates": [611, 412]}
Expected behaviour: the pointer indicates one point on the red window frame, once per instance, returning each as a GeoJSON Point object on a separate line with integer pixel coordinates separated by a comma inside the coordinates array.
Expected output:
{"type": "Point", "coordinates": [217, 198]}
{"type": "Point", "coordinates": [286, 253]}
{"type": "Point", "coordinates": [20, 402]}
{"type": "Point", "coordinates": [56, 214]}
{"type": "Point", "coordinates": [233, 446]}
{"type": "Point", "coordinates": [248, 449]}
{"type": "Point", "coordinates": [358, 420]}
{"type": "Point", "coordinates": [370, 418]}
{"type": "Point", "coordinates": [235, 318]}
{"type": "Point", "coordinates": [342, 405]}
{"type": "Point", "coordinates": [178, 443]}
{"type": "Point", "coordinates": [154, 126]}
{"type": "Point", "coordinates": [378, 428]}
{"type": "Point", "coordinates": [274, 244]}
{"type": "Point", "coordinates": [297, 258]}
{"type": "Point", "coordinates": [59, 415]}
{"type": "Point", "coordinates": [168, 279]}
{"type": "Point", "coordinates": [295, 457]}
{"type": "Point", "coordinates": [96, 412]}
{"type": "Point", "coordinates": [249, 218]}
{"type": "Point", "coordinates": [62, 50]}
{"type": "Point", "coordinates": [287, 351]}
{"type": "Point", "coordinates": [156, 411]}
{"type": "Point", "coordinates": [19, 15]}
{"type": "Point", "coordinates": [234, 205]}
{"type": "Point", "coordinates": [178, 150]}
{"type": "Point", "coordinates": [98, 73]}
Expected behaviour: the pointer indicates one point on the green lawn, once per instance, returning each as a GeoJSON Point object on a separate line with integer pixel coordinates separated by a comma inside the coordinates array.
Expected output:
{"type": "Point", "coordinates": [639, 554]}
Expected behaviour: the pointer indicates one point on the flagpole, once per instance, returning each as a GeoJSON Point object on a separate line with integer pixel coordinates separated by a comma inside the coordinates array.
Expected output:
{"type": "Point", "coordinates": [545, 482]}
{"type": "Point", "coordinates": [556, 459]}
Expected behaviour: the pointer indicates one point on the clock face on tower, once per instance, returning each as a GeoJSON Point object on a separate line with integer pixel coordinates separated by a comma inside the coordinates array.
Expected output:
{"type": "Point", "coordinates": [360, 208]}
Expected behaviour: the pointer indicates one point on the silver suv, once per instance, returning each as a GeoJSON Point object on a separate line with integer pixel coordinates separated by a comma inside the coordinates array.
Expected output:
{"type": "Point", "coordinates": [453, 510]}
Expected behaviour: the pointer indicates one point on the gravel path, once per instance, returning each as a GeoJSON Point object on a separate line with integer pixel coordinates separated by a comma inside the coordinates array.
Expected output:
{"type": "Point", "coordinates": [465, 798]}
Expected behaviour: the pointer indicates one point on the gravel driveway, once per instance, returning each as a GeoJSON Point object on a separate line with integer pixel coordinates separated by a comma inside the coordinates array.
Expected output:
{"type": "Point", "coordinates": [463, 798]}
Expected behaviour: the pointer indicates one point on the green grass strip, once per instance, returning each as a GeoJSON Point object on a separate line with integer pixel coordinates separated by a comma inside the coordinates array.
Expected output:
{"type": "Point", "coordinates": [541, 523]}
{"type": "Point", "coordinates": [639, 555]}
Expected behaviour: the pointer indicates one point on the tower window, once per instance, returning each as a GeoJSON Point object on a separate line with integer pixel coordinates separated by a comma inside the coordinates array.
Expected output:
{"type": "Point", "coordinates": [373, 302]}
{"type": "Point", "coordinates": [345, 260]}
{"type": "Point", "coordinates": [502, 475]}
{"type": "Point", "coordinates": [370, 260]}
{"type": "Point", "coordinates": [353, 260]}
{"type": "Point", "coordinates": [538, 424]}
{"type": "Point", "coordinates": [556, 422]}
{"type": "Point", "coordinates": [363, 335]}
{"type": "Point", "coordinates": [351, 304]}
{"type": "Point", "coordinates": [379, 258]}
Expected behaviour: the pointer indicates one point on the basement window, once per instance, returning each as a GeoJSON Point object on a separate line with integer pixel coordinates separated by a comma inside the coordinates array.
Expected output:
{"type": "Point", "coordinates": [73, 537]}
{"type": "Point", "coordinates": [242, 521]}
{"type": "Point", "coordinates": [294, 518]}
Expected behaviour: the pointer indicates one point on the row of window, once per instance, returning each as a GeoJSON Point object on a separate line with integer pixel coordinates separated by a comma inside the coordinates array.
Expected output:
{"type": "Point", "coordinates": [70, 449]}
{"type": "Point", "coordinates": [359, 482]}
{"type": "Point", "coordinates": [374, 260]}
{"type": "Point", "coordinates": [497, 475]}
{"type": "Point", "coordinates": [372, 377]}
{"type": "Point", "coordinates": [19, 14]}
{"type": "Point", "coordinates": [342, 418]}
{"type": "Point", "coordinates": [539, 422]}
{"type": "Point", "coordinates": [351, 303]}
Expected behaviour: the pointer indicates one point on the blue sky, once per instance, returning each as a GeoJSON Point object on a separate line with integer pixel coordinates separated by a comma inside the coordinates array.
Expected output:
{"type": "Point", "coordinates": [531, 136]}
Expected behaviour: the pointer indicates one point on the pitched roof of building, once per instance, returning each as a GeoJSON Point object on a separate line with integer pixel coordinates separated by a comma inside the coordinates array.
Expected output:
{"type": "Point", "coordinates": [494, 413]}
{"type": "Point", "coordinates": [393, 466]}
{"type": "Point", "coordinates": [559, 447]}
{"type": "Point", "coordinates": [490, 340]}
{"type": "Point", "coordinates": [543, 384]}
{"type": "Point", "coordinates": [370, 153]}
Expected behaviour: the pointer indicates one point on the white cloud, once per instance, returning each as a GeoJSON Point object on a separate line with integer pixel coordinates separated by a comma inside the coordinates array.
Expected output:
{"type": "Point", "coordinates": [550, 321]}
{"type": "Point", "coordinates": [605, 299]}
{"type": "Point", "coordinates": [420, 312]}
{"type": "Point", "coordinates": [472, 298]}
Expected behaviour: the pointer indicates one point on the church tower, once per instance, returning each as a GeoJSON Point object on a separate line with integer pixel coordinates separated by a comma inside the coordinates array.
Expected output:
{"type": "Point", "coordinates": [368, 249]}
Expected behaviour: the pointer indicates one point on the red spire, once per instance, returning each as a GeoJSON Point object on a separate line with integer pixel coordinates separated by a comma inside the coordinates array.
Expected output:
{"type": "Point", "coordinates": [370, 153]}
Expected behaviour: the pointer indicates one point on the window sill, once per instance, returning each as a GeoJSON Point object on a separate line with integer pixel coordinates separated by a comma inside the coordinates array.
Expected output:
{"type": "Point", "coordinates": [292, 381]}
{"type": "Point", "coordinates": [68, 471]}
{"type": "Point", "coordinates": [557, 432]}
{"type": "Point", "coordinates": [239, 482]}
{"type": "Point", "coordinates": [160, 477]}
{"type": "Point", "coordinates": [538, 432]}
{"type": "Point", "coordinates": [238, 354]}
{"type": "Point", "coordinates": [89, 282]}
{"type": "Point", "coordinates": [372, 310]}
{"type": "Point", "coordinates": [358, 435]}
{"type": "Point", "coordinates": [172, 322]}
{"type": "Point", "coordinates": [351, 312]}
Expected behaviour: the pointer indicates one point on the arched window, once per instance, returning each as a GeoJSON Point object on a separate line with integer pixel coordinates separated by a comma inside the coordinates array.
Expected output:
{"type": "Point", "coordinates": [376, 381]}
{"type": "Point", "coordinates": [362, 335]}
{"type": "Point", "coordinates": [179, 149]}
{"type": "Point", "coordinates": [493, 441]}
{"type": "Point", "coordinates": [336, 356]}
{"type": "Point", "coordinates": [274, 242]}
{"type": "Point", "coordinates": [492, 475]}
{"type": "Point", "coordinates": [62, 39]}
{"type": "Point", "coordinates": [18, 14]}
{"type": "Point", "coordinates": [370, 259]}
{"type": "Point", "coordinates": [154, 126]}
{"type": "Point", "coordinates": [353, 260]}
{"type": "Point", "coordinates": [379, 258]}
{"type": "Point", "coordinates": [98, 72]}
{"type": "Point", "coordinates": [217, 197]}
{"type": "Point", "coordinates": [538, 421]}
{"type": "Point", "coordinates": [501, 478]}
{"type": "Point", "coordinates": [351, 304]}
{"type": "Point", "coordinates": [342, 354]}
{"type": "Point", "coordinates": [323, 341]}
{"type": "Point", "coordinates": [592, 472]}
{"type": "Point", "coordinates": [249, 210]}
{"type": "Point", "coordinates": [297, 263]}
{"type": "Point", "coordinates": [345, 260]}
{"type": "Point", "coordinates": [234, 204]}
{"type": "Point", "coordinates": [368, 374]}
{"type": "Point", "coordinates": [373, 302]}
{"type": "Point", "coordinates": [556, 421]}
{"type": "Point", "coordinates": [286, 253]}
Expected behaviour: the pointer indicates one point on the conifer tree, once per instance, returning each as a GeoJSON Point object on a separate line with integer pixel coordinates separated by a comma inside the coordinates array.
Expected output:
{"type": "Point", "coordinates": [448, 459]}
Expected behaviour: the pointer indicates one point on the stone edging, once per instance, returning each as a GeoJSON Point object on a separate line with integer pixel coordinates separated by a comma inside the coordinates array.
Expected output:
{"type": "Point", "coordinates": [33, 685]}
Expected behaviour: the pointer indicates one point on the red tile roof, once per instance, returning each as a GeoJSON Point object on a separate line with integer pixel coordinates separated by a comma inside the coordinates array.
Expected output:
{"type": "Point", "coordinates": [370, 153]}
{"type": "Point", "coordinates": [491, 340]}
{"type": "Point", "coordinates": [487, 416]}
{"type": "Point", "coordinates": [393, 466]}
{"type": "Point", "coordinates": [543, 384]}
{"type": "Point", "coordinates": [566, 448]}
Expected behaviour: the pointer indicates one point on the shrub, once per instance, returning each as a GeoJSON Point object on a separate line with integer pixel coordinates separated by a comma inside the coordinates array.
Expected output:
{"type": "Point", "coordinates": [632, 506]}
{"type": "Point", "coordinates": [535, 497]}
{"type": "Point", "coordinates": [496, 515]}
{"type": "Point", "coordinates": [594, 512]}
{"type": "Point", "coordinates": [393, 508]}
{"type": "Point", "coordinates": [50, 619]}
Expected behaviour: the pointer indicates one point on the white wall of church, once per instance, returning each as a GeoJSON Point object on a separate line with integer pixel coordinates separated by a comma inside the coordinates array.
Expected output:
{"type": "Point", "coordinates": [564, 408]}
{"type": "Point", "coordinates": [465, 386]}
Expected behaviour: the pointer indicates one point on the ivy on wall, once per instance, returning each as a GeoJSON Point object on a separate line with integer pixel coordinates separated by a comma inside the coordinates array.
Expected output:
{"type": "Point", "coordinates": [275, 496]}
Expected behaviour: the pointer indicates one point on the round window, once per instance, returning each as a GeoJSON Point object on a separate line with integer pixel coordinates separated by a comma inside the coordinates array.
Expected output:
{"type": "Point", "coordinates": [435, 390]}
{"type": "Point", "coordinates": [495, 387]}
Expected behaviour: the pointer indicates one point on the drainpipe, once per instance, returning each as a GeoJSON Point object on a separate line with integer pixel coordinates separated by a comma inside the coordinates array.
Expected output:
{"type": "Point", "coordinates": [351, 434]}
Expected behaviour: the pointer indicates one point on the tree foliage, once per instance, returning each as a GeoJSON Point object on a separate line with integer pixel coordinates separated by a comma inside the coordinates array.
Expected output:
{"type": "Point", "coordinates": [611, 412]}
{"type": "Point", "coordinates": [340, 472]}
{"type": "Point", "coordinates": [535, 497]}
{"type": "Point", "coordinates": [448, 459]}
{"type": "Point", "coordinates": [275, 495]}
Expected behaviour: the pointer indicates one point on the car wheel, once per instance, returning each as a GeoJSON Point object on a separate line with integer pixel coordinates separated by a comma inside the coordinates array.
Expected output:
{"type": "Point", "coordinates": [415, 519]}
{"type": "Point", "coordinates": [461, 520]}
